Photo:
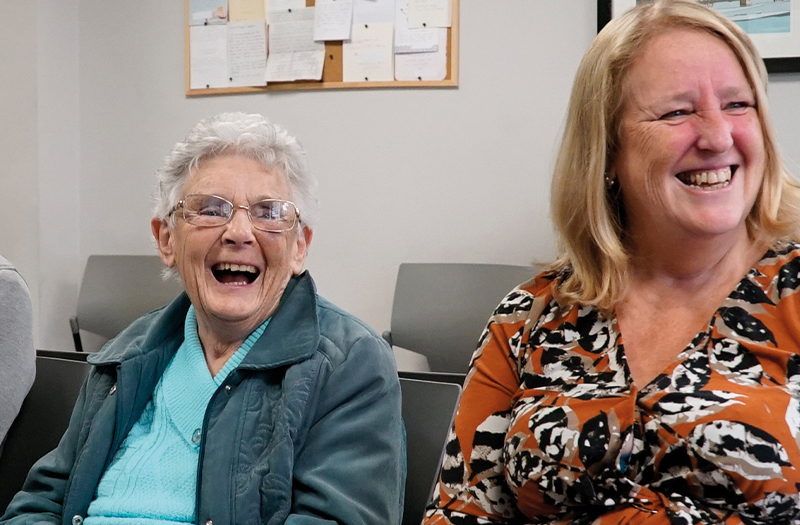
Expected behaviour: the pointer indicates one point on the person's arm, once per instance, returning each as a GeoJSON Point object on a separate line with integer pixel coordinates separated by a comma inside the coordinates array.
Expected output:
{"type": "Point", "coordinates": [472, 489]}
{"type": "Point", "coordinates": [351, 468]}
{"type": "Point", "coordinates": [17, 353]}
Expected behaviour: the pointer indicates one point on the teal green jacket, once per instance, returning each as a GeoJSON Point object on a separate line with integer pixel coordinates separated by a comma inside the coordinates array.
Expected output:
{"type": "Point", "coordinates": [306, 431]}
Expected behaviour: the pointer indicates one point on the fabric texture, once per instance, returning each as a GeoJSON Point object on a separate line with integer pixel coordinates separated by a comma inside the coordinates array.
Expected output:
{"type": "Point", "coordinates": [153, 476]}
{"type": "Point", "coordinates": [552, 429]}
{"type": "Point", "coordinates": [17, 353]}
{"type": "Point", "coordinates": [306, 430]}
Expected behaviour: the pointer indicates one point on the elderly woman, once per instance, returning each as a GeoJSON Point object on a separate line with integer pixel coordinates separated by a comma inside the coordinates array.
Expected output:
{"type": "Point", "coordinates": [652, 376]}
{"type": "Point", "coordinates": [249, 399]}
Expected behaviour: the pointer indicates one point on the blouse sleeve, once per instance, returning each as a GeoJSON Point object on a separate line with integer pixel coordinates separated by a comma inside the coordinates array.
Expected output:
{"type": "Point", "coordinates": [472, 487]}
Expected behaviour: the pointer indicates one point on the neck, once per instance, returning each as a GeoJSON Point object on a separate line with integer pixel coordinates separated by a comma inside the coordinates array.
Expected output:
{"type": "Point", "coordinates": [219, 343]}
{"type": "Point", "coordinates": [694, 264]}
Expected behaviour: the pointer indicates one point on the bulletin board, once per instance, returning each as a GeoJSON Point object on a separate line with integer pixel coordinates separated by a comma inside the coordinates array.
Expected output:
{"type": "Point", "coordinates": [332, 71]}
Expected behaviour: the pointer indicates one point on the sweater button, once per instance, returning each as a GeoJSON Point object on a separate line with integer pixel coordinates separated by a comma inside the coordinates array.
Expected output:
{"type": "Point", "coordinates": [77, 519]}
{"type": "Point", "coordinates": [113, 389]}
{"type": "Point", "coordinates": [209, 522]}
{"type": "Point", "coordinates": [228, 389]}
{"type": "Point", "coordinates": [196, 437]}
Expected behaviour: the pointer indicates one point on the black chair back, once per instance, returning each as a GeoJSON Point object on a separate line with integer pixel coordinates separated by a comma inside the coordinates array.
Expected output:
{"type": "Point", "coordinates": [41, 422]}
{"type": "Point", "coordinates": [428, 410]}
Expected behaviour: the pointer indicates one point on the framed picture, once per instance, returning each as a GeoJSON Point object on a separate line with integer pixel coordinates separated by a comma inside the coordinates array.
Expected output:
{"type": "Point", "coordinates": [773, 25]}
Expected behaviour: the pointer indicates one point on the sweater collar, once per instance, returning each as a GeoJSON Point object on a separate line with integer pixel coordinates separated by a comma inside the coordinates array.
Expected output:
{"type": "Point", "coordinates": [291, 336]}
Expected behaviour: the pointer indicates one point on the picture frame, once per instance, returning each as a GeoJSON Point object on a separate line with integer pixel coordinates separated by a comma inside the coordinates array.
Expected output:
{"type": "Point", "coordinates": [780, 51]}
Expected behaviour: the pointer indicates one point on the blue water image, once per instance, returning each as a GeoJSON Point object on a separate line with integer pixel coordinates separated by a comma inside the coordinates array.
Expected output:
{"type": "Point", "coordinates": [761, 16]}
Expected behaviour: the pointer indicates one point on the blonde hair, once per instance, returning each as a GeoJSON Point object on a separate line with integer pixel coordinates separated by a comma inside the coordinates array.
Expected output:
{"type": "Point", "coordinates": [593, 260]}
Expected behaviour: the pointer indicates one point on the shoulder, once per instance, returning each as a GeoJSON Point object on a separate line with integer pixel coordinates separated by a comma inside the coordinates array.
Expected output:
{"type": "Point", "coordinates": [10, 278]}
{"type": "Point", "coordinates": [342, 334]}
{"type": "Point", "coordinates": [528, 300]}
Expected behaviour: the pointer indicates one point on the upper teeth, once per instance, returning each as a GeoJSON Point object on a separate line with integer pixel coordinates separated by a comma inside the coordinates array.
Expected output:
{"type": "Point", "coordinates": [708, 177]}
{"type": "Point", "coordinates": [237, 267]}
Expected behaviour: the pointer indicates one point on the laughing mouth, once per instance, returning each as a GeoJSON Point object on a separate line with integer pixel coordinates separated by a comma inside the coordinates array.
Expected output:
{"type": "Point", "coordinates": [708, 180]}
{"type": "Point", "coordinates": [235, 274]}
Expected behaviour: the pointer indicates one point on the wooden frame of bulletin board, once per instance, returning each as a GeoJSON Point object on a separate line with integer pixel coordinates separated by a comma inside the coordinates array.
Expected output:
{"type": "Point", "coordinates": [332, 70]}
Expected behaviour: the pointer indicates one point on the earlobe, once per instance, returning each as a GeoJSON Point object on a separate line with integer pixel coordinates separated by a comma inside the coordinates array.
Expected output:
{"type": "Point", "coordinates": [301, 244]}
{"type": "Point", "coordinates": [163, 236]}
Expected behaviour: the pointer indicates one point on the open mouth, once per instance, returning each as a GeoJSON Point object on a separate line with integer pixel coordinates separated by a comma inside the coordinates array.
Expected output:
{"type": "Point", "coordinates": [709, 180]}
{"type": "Point", "coordinates": [235, 274]}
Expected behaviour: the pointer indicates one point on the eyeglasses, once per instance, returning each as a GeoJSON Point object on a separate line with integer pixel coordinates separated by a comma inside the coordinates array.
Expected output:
{"type": "Point", "coordinates": [270, 215]}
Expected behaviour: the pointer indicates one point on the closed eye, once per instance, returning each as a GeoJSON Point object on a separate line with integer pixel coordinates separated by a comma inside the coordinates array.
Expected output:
{"type": "Point", "coordinates": [675, 114]}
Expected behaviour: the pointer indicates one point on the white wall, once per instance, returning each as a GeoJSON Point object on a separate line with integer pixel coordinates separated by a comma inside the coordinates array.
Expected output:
{"type": "Point", "coordinates": [19, 185]}
{"type": "Point", "coordinates": [405, 175]}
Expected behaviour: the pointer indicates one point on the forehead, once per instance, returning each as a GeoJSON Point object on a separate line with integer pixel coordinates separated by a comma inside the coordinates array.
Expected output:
{"type": "Point", "coordinates": [679, 61]}
{"type": "Point", "coordinates": [232, 175]}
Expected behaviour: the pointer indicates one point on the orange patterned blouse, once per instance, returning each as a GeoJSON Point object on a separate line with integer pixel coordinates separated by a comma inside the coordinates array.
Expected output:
{"type": "Point", "coordinates": [551, 429]}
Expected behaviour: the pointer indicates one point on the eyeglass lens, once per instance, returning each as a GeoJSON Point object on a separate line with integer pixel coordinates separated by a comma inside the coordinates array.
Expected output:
{"type": "Point", "coordinates": [210, 210]}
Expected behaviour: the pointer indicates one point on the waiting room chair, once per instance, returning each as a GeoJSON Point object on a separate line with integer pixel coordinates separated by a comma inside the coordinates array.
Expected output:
{"type": "Point", "coordinates": [42, 420]}
{"type": "Point", "coordinates": [118, 289]}
{"type": "Point", "coordinates": [440, 309]}
{"type": "Point", "coordinates": [428, 411]}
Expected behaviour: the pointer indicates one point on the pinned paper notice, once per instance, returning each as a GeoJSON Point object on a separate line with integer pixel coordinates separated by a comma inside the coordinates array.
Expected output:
{"type": "Point", "coordinates": [428, 13]}
{"type": "Point", "coordinates": [423, 66]}
{"type": "Point", "coordinates": [367, 57]}
{"type": "Point", "coordinates": [373, 12]}
{"type": "Point", "coordinates": [246, 10]}
{"type": "Point", "coordinates": [293, 54]}
{"type": "Point", "coordinates": [333, 19]}
{"type": "Point", "coordinates": [247, 53]}
{"type": "Point", "coordinates": [407, 40]}
{"type": "Point", "coordinates": [208, 56]}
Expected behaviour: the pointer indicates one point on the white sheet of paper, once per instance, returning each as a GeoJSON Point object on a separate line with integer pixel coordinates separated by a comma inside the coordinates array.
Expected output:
{"type": "Point", "coordinates": [293, 54]}
{"type": "Point", "coordinates": [208, 56]}
{"type": "Point", "coordinates": [423, 66]}
{"type": "Point", "coordinates": [205, 12]}
{"type": "Point", "coordinates": [418, 40]}
{"type": "Point", "coordinates": [247, 53]}
{"type": "Point", "coordinates": [373, 12]}
{"type": "Point", "coordinates": [246, 10]}
{"type": "Point", "coordinates": [428, 13]}
{"type": "Point", "coordinates": [333, 19]}
{"type": "Point", "coordinates": [367, 57]}
{"type": "Point", "coordinates": [282, 5]}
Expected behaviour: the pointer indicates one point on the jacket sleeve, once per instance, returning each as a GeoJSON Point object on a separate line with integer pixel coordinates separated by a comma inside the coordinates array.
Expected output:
{"type": "Point", "coordinates": [17, 353]}
{"type": "Point", "coordinates": [351, 468]}
{"type": "Point", "coordinates": [472, 489]}
{"type": "Point", "coordinates": [42, 495]}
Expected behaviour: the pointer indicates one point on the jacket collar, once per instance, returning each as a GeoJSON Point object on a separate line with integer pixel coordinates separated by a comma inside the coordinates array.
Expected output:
{"type": "Point", "coordinates": [291, 336]}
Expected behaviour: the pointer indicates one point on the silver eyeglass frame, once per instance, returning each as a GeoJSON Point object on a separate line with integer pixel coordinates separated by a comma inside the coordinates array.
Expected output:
{"type": "Point", "coordinates": [235, 207]}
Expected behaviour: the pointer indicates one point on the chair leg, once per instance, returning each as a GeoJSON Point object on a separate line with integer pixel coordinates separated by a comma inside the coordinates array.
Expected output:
{"type": "Point", "coordinates": [76, 334]}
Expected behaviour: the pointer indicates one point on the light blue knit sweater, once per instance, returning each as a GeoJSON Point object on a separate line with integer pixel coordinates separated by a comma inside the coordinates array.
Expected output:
{"type": "Point", "coordinates": [153, 478]}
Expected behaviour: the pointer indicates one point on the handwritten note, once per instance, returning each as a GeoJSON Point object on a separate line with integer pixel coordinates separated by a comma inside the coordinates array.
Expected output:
{"type": "Point", "coordinates": [247, 53]}
{"type": "Point", "coordinates": [208, 56]}
{"type": "Point", "coordinates": [423, 66]}
{"type": "Point", "coordinates": [428, 13]}
{"type": "Point", "coordinates": [408, 40]}
{"type": "Point", "coordinates": [293, 54]}
{"type": "Point", "coordinates": [373, 12]}
{"type": "Point", "coordinates": [367, 57]}
{"type": "Point", "coordinates": [333, 19]}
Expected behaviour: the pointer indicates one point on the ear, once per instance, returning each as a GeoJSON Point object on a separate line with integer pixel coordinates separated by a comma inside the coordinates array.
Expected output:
{"type": "Point", "coordinates": [302, 241]}
{"type": "Point", "coordinates": [163, 235]}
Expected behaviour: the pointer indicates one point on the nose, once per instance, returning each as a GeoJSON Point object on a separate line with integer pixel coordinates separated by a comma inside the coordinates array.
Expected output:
{"type": "Point", "coordinates": [715, 132]}
{"type": "Point", "coordinates": [239, 230]}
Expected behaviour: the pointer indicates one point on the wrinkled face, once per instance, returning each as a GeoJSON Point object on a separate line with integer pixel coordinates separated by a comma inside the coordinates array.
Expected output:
{"type": "Point", "coordinates": [234, 274]}
{"type": "Point", "coordinates": [691, 157]}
